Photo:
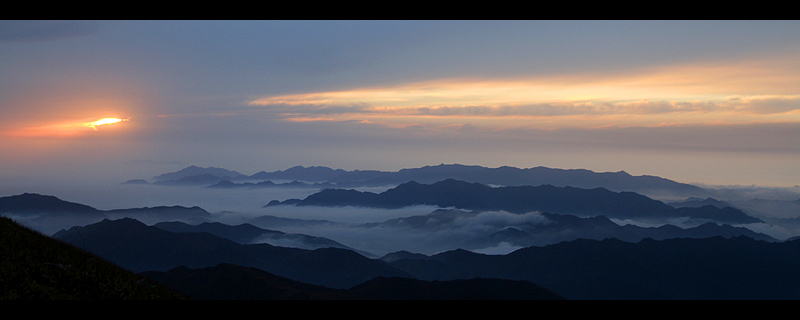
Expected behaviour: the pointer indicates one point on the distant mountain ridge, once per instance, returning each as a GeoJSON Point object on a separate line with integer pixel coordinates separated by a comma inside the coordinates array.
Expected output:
{"type": "Point", "coordinates": [51, 214]}
{"type": "Point", "coordinates": [555, 228]}
{"type": "Point", "coordinates": [519, 199]}
{"type": "Point", "coordinates": [501, 176]}
{"type": "Point", "coordinates": [33, 203]}
{"type": "Point", "coordinates": [195, 171]}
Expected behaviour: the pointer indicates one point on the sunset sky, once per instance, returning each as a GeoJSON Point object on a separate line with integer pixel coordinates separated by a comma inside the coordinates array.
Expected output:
{"type": "Point", "coordinates": [713, 102]}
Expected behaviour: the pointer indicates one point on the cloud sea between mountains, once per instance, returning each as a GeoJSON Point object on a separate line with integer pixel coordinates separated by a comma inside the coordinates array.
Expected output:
{"type": "Point", "coordinates": [421, 228]}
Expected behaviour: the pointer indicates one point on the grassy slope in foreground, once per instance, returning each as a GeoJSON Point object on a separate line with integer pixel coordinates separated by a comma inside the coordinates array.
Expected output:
{"type": "Point", "coordinates": [36, 267]}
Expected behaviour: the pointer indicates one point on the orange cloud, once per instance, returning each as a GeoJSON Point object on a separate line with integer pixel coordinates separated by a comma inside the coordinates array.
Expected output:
{"type": "Point", "coordinates": [741, 92]}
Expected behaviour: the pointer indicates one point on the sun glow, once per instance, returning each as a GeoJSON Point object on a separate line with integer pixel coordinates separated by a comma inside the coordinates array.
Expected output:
{"type": "Point", "coordinates": [103, 121]}
{"type": "Point", "coordinates": [62, 129]}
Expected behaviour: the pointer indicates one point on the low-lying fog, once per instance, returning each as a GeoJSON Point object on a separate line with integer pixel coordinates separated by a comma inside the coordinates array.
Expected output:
{"type": "Point", "coordinates": [236, 206]}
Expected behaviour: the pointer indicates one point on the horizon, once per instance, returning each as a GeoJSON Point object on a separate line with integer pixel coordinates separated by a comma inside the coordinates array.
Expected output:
{"type": "Point", "coordinates": [698, 102]}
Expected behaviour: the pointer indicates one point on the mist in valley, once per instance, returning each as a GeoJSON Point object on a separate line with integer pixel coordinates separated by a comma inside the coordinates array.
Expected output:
{"type": "Point", "coordinates": [363, 229]}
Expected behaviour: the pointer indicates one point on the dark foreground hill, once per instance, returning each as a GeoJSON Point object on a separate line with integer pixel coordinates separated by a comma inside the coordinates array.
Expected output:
{"type": "Point", "coordinates": [714, 268]}
{"type": "Point", "coordinates": [36, 267]}
{"type": "Point", "coordinates": [232, 282]}
{"type": "Point", "coordinates": [460, 289]}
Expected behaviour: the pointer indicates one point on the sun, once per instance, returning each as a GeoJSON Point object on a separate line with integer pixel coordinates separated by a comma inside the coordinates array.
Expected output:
{"type": "Point", "coordinates": [103, 121]}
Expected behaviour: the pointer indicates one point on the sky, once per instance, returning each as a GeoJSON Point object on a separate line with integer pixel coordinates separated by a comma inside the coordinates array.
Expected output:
{"type": "Point", "coordinates": [715, 102]}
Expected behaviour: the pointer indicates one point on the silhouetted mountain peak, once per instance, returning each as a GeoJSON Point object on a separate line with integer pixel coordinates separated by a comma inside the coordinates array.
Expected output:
{"type": "Point", "coordinates": [403, 254]}
{"type": "Point", "coordinates": [301, 173]}
{"type": "Point", "coordinates": [195, 171]}
{"type": "Point", "coordinates": [456, 254]}
{"type": "Point", "coordinates": [32, 203]}
{"type": "Point", "coordinates": [120, 224]}
{"type": "Point", "coordinates": [136, 181]}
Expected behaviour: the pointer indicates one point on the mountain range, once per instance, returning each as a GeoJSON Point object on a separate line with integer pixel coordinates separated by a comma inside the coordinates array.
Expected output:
{"type": "Point", "coordinates": [595, 259]}
{"type": "Point", "coordinates": [138, 247]}
{"type": "Point", "coordinates": [48, 214]}
{"type": "Point", "coordinates": [446, 228]}
{"type": "Point", "coordinates": [37, 267]}
{"type": "Point", "coordinates": [520, 199]}
{"type": "Point", "coordinates": [491, 233]}
{"type": "Point", "coordinates": [502, 176]}
{"type": "Point", "coordinates": [57, 213]}
{"type": "Point", "coordinates": [324, 177]}
{"type": "Point", "coordinates": [708, 268]}
{"type": "Point", "coordinates": [248, 234]}
{"type": "Point", "coordinates": [553, 228]}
